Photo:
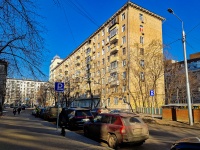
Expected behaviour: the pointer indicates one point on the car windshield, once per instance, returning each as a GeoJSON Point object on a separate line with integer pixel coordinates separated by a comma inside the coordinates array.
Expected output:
{"type": "Point", "coordinates": [83, 113]}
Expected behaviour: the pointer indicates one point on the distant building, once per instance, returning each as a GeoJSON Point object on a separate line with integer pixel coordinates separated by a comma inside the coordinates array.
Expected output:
{"type": "Point", "coordinates": [22, 91]}
{"type": "Point", "coordinates": [54, 63]}
{"type": "Point", "coordinates": [175, 84]}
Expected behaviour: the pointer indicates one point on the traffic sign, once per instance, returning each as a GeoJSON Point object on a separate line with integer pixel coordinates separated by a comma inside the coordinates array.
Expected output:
{"type": "Point", "coordinates": [151, 92]}
{"type": "Point", "coordinates": [59, 86]}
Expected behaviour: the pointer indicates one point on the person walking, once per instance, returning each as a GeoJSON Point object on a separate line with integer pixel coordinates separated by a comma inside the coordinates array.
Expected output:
{"type": "Point", "coordinates": [14, 111]}
{"type": "Point", "coordinates": [19, 110]}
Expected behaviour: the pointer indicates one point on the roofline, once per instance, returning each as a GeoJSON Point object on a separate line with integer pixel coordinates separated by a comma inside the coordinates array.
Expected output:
{"type": "Point", "coordinates": [108, 21]}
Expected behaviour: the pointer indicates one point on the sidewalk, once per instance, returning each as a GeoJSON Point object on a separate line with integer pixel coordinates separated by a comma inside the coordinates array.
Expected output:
{"type": "Point", "coordinates": [24, 132]}
{"type": "Point", "coordinates": [154, 120]}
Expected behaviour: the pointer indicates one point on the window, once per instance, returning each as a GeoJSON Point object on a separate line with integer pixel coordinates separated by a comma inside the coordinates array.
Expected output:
{"type": "Point", "coordinates": [103, 32]}
{"type": "Point", "coordinates": [114, 65]}
{"type": "Point", "coordinates": [103, 51]}
{"type": "Point", "coordinates": [113, 32]}
{"type": "Point", "coordinates": [98, 63]}
{"type": "Point", "coordinates": [123, 28]}
{"type": "Point", "coordinates": [98, 36]}
{"type": "Point", "coordinates": [142, 63]}
{"type": "Point", "coordinates": [116, 100]}
{"type": "Point", "coordinates": [108, 39]}
{"type": "Point", "coordinates": [103, 61]}
{"type": "Point", "coordinates": [103, 71]}
{"type": "Point", "coordinates": [141, 51]}
{"type": "Point", "coordinates": [124, 51]}
{"type": "Point", "coordinates": [141, 39]}
{"type": "Point", "coordinates": [124, 75]}
{"type": "Point", "coordinates": [124, 62]}
{"type": "Point", "coordinates": [141, 17]}
{"type": "Point", "coordinates": [108, 48]}
{"type": "Point", "coordinates": [123, 16]}
{"type": "Point", "coordinates": [98, 54]}
{"type": "Point", "coordinates": [141, 28]}
{"type": "Point", "coordinates": [103, 42]}
{"type": "Point", "coordinates": [124, 88]}
{"type": "Point", "coordinates": [123, 39]}
{"type": "Point", "coordinates": [108, 58]}
{"type": "Point", "coordinates": [108, 100]}
{"type": "Point", "coordinates": [142, 76]}
{"type": "Point", "coordinates": [98, 45]}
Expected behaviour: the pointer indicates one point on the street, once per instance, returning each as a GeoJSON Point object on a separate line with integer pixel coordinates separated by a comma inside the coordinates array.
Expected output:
{"type": "Point", "coordinates": [24, 132]}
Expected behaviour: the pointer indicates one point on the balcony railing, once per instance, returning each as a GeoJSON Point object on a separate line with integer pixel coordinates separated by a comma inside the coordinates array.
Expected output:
{"type": "Point", "coordinates": [114, 82]}
{"type": "Point", "coordinates": [114, 58]}
{"type": "Point", "coordinates": [114, 49]}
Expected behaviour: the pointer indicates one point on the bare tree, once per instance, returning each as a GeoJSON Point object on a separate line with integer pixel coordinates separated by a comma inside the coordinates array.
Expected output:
{"type": "Point", "coordinates": [21, 43]}
{"type": "Point", "coordinates": [146, 73]}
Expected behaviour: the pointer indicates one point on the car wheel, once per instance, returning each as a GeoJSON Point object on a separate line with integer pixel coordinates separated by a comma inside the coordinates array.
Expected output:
{"type": "Point", "coordinates": [139, 144]}
{"type": "Point", "coordinates": [86, 132]}
{"type": "Point", "coordinates": [112, 141]}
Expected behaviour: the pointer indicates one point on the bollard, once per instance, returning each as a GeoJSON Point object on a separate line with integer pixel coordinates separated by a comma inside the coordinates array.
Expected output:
{"type": "Point", "coordinates": [63, 130]}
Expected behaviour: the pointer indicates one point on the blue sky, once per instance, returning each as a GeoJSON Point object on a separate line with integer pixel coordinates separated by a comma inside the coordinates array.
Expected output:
{"type": "Point", "coordinates": [70, 22]}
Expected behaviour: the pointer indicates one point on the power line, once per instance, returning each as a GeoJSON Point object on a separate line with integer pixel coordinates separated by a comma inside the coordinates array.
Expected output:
{"type": "Point", "coordinates": [193, 28]}
{"type": "Point", "coordinates": [61, 6]}
{"type": "Point", "coordinates": [83, 13]}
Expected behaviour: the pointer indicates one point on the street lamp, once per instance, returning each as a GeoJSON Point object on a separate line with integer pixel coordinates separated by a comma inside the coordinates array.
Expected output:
{"type": "Point", "coordinates": [186, 69]}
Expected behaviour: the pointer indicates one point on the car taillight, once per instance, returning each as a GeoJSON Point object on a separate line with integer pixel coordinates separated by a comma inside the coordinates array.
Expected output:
{"type": "Point", "coordinates": [122, 130]}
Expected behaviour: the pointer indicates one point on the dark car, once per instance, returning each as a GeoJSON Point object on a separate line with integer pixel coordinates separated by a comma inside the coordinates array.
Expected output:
{"type": "Point", "coordinates": [191, 143]}
{"type": "Point", "coordinates": [23, 107]}
{"type": "Point", "coordinates": [74, 117]}
{"type": "Point", "coordinates": [117, 129]}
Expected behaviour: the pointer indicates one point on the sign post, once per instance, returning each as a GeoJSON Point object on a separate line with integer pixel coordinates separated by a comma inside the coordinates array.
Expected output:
{"type": "Point", "coordinates": [152, 95]}
{"type": "Point", "coordinates": [59, 87]}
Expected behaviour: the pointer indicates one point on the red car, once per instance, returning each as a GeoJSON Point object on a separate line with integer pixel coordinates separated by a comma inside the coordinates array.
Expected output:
{"type": "Point", "coordinates": [117, 128]}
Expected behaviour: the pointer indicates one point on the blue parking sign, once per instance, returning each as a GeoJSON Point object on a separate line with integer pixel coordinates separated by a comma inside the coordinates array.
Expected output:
{"type": "Point", "coordinates": [59, 86]}
{"type": "Point", "coordinates": [151, 92]}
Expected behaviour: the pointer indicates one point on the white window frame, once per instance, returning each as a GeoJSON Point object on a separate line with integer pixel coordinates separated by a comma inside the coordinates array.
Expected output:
{"type": "Point", "coordinates": [123, 16]}
{"type": "Point", "coordinates": [123, 62]}
{"type": "Point", "coordinates": [123, 39]}
{"type": "Point", "coordinates": [116, 100]}
{"type": "Point", "coordinates": [123, 28]}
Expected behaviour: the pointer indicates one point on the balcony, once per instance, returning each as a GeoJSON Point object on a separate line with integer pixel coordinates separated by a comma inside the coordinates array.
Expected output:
{"type": "Point", "coordinates": [114, 83]}
{"type": "Point", "coordinates": [114, 58]}
{"type": "Point", "coordinates": [114, 49]}
{"type": "Point", "coordinates": [114, 39]}
{"type": "Point", "coordinates": [114, 70]}
{"type": "Point", "coordinates": [114, 21]}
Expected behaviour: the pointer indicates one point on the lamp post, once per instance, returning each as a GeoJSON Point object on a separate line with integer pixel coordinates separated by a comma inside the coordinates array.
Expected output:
{"type": "Point", "coordinates": [186, 70]}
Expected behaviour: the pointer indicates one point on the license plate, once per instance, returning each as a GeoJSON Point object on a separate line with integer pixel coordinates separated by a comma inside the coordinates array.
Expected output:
{"type": "Point", "coordinates": [85, 120]}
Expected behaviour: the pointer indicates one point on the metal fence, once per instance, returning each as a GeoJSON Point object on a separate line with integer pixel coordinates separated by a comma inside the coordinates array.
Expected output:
{"type": "Point", "coordinates": [149, 110]}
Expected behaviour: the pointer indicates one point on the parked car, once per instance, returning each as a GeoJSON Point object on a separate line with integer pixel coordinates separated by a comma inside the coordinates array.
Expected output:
{"type": "Point", "coordinates": [117, 129]}
{"type": "Point", "coordinates": [74, 117]}
{"type": "Point", "coordinates": [99, 110]}
{"type": "Point", "coordinates": [191, 143]}
{"type": "Point", "coordinates": [51, 113]}
{"type": "Point", "coordinates": [23, 107]}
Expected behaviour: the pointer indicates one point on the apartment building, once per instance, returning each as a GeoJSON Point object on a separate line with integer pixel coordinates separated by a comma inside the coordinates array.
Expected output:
{"type": "Point", "coordinates": [22, 91]}
{"type": "Point", "coordinates": [175, 80]}
{"type": "Point", "coordinates": [113, 66]}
